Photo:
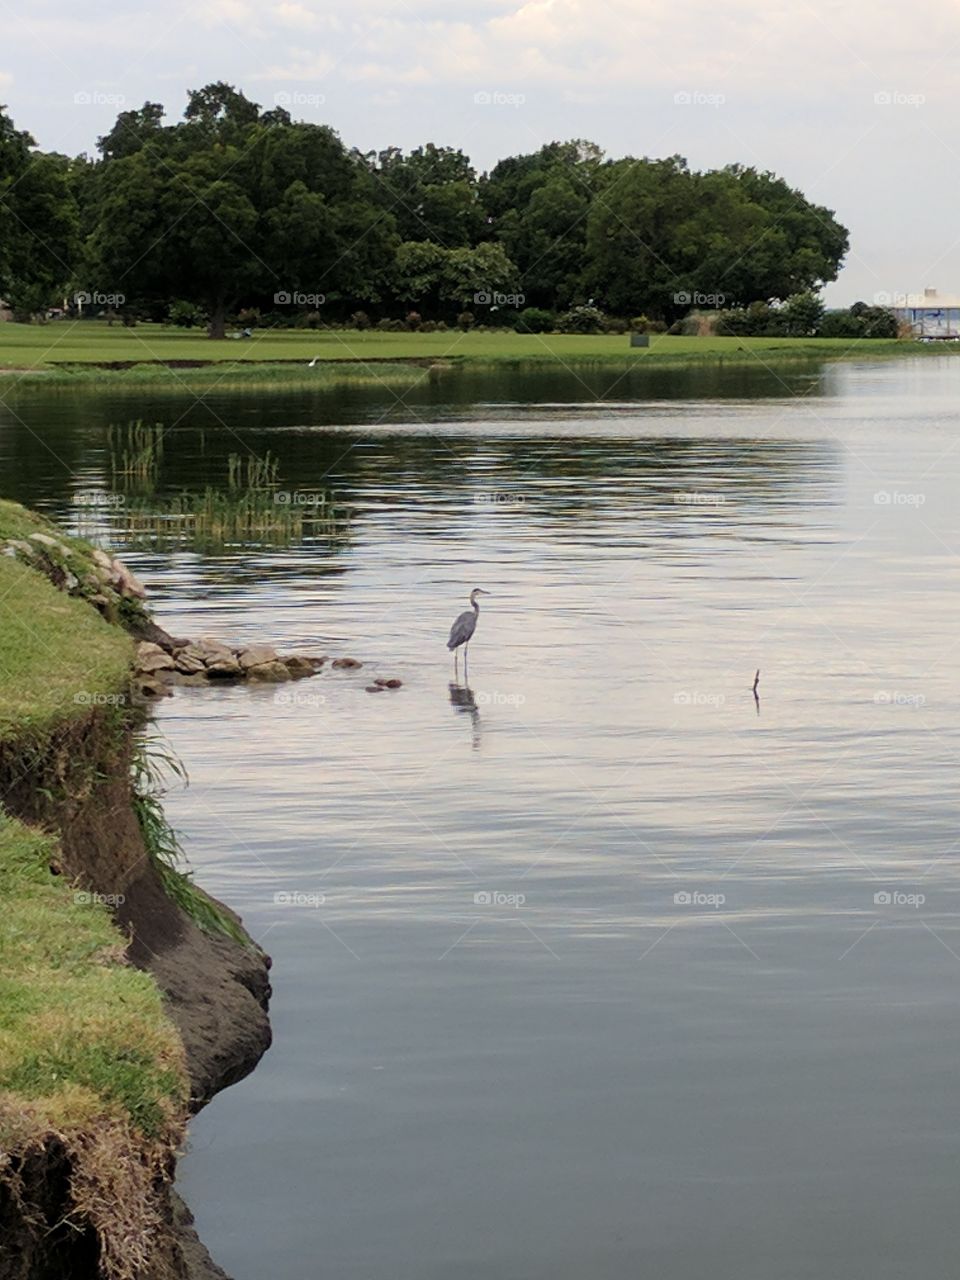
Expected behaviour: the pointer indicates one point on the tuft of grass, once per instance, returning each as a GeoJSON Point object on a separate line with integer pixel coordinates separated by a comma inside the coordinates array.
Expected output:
{"type": "Point", "coordinates": [136, 451]}
{"type": "Point", "coordinates": [154, 766]}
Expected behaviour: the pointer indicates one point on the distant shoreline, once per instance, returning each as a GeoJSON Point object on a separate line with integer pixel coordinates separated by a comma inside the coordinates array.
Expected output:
{"type": "Point", "coordinates": [89, 354]}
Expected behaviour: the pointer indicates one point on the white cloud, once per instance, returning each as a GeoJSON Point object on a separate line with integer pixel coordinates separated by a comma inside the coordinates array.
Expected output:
{"type": "Point", "coordinates": [302, 67]}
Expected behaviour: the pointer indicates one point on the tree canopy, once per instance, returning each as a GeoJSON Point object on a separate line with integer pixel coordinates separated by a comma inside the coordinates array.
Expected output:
{"type": "Point", "coordinates": [234, 207]}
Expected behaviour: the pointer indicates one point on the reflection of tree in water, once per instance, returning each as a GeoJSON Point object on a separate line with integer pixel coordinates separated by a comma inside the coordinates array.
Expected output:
{"type": "Point", "coordinates": [566, 481]}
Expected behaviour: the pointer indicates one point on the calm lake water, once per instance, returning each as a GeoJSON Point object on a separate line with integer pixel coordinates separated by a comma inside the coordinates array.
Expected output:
{"type": "Point", "coordinates": [595, 969]}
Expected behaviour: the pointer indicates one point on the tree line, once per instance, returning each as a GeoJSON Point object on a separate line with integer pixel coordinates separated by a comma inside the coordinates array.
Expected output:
{"type": "Point", "coordinates": [235, 211]}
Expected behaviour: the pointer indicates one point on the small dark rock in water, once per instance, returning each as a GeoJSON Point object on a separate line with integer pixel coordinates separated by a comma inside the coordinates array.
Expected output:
{"type": "Point", "coordinates": [391, 683]}
{"type": "Point", "coordinates": [346, 664]}
{"type": "Point", "coordinates": [374, 688]}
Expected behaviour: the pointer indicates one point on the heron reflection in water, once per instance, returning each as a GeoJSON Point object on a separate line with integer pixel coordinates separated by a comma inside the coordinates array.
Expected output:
{"type": "Point", "coordinates": [464, 699]}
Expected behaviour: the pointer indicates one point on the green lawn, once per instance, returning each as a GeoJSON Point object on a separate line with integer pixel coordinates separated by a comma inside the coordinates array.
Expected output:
{"type": "Point", "coordinates": [88, 1055]}
{"type": "Point", "coordinates": [48, 351]}
{"type": "Point", "coordinates": [57, 655]}
{"type": "Point", "coordinates": [84, 1038]}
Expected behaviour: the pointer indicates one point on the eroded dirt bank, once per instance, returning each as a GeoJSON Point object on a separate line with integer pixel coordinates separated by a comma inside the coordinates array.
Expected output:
{"type": "Point", "coordinates": [216, 992]}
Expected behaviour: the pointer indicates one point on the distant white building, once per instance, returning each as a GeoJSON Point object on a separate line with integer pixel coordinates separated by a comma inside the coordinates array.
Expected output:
{"type": "Point", "coordinates": [929, 314]}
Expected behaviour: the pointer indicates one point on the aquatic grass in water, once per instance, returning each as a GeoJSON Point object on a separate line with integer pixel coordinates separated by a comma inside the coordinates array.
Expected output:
{"type": "Point", "coordinates": [252, 472]}
{"type": "Point", "coordinates": [249, 512]}
{"type": "Point", "coordinates": [214, 520]}
{"type": "Point", "coordinates": [136, 452]}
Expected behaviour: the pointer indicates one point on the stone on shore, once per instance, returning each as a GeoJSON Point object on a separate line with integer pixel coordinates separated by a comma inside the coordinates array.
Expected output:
{"type": "Point", "coordinates": [226, 668]}
{"type": "Point", "coordinates": [189, 660]}
{"type": "Point", "coordinates": [151, 658]}
{"type": "Point", "coordinates": [256, 656]}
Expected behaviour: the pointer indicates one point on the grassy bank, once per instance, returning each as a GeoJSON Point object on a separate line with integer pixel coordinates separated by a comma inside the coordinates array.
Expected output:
{"type": "Point", "coordinates": [57, 656]}
{"type": "Point", "coordinates": [75, 353]}
{"type": "Point", "coordinates": [92, 1070]}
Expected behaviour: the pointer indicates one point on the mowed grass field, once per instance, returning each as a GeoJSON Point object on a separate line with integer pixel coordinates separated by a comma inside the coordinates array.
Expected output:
{"type": "Point", "coordinates": [62, 346]}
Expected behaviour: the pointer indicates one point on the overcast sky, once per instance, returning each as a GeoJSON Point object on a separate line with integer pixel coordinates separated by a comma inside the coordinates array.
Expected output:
{"type": "Point", "coordinates": [853, 101]}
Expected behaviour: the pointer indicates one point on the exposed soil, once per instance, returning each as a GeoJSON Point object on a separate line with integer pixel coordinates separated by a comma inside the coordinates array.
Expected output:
{"type": "Point", "coordinates": [217, 990]}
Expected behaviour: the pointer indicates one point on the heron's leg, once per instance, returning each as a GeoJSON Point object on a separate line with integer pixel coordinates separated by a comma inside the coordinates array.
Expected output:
{"type": "Point", "coordinates": [465, 675]}
{"type": "Point", "coordinates": [456, 664]}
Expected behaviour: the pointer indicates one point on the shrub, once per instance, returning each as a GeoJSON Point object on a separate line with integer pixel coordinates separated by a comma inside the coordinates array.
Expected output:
{"type": "Point", "coordinates": [413, 321]}
{"type": "Point", "coordinates": [429, 326]}
{"type": "Point", "coordinates": [360, 320]}
{"type": "Point", "coordinates": [534, 320]}
{"type": "Point", "coordinates": [186, 315]}
{"type": "Point", "coordinates": [581, 320]}
{"type": "Point", "coordinates": [466, 320]}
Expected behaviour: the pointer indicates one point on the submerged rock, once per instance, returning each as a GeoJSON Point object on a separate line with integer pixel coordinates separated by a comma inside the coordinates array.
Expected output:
{"type": "Point", "coordinates": [300, 665]}
{"type": "Point", "coordinates": [346, 664]}
{"type": "Point", "coordinates": [375, 688]}
{"type": "Point", "coordinates": [389, 683]}
{"type": "Point", "coordinates": [269, 671]}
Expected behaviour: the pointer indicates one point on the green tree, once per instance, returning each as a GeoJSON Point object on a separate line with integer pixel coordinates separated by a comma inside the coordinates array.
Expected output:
{"type": "Point", "coordinates": [234, 206]}
{"type": "Point", "coordinates": [39, 223]}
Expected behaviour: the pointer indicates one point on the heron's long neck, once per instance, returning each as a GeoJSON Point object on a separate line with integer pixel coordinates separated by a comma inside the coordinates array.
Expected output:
{"type": "Point", "coordinates": [476, 605]}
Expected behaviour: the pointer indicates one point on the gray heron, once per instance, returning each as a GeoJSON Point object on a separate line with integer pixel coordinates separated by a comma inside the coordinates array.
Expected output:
{"type": "Point", "coordinates": [462, 630]}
